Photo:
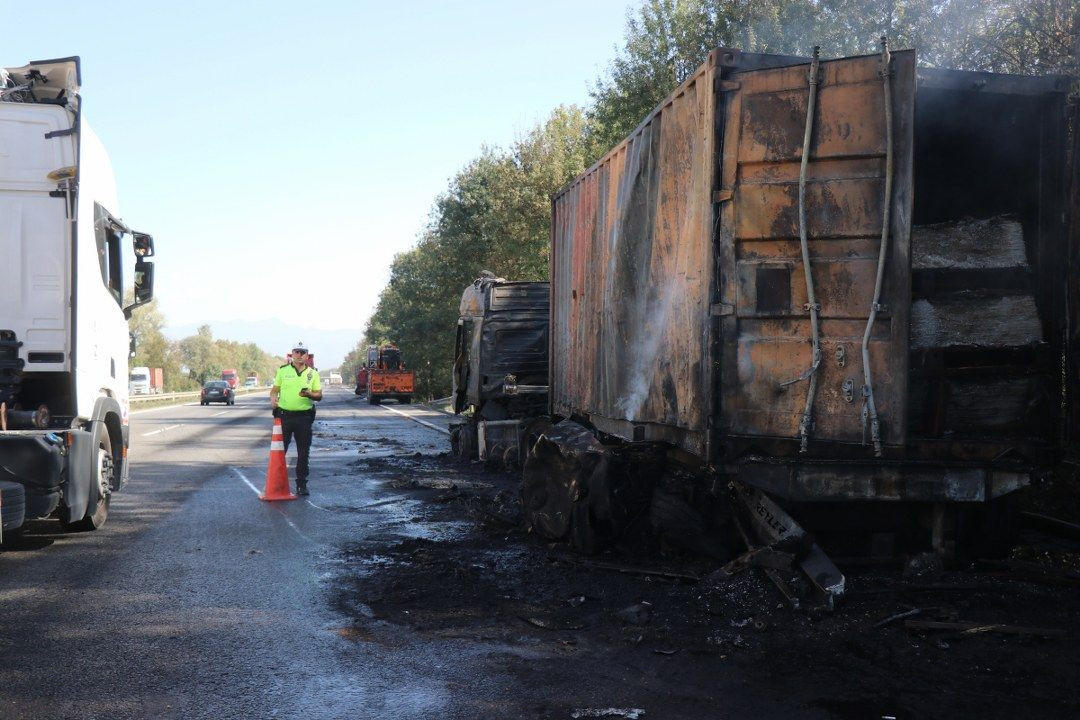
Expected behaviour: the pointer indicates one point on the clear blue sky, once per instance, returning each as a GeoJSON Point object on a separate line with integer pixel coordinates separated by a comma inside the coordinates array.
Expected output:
{"type": "Point", "coordinates": [281, 153]}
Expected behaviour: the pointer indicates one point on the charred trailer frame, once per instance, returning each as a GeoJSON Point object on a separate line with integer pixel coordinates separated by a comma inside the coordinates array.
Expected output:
{"type": "Point", "coordinates": [843, 280]}
{"type": "Point", "coordinates": [500, 366]}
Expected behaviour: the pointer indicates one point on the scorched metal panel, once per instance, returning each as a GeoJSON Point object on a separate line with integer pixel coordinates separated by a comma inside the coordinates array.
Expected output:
{"type": "Point", "coordinates": [631, 271]}
{"type": "Point", "coordinates": [766, 342]}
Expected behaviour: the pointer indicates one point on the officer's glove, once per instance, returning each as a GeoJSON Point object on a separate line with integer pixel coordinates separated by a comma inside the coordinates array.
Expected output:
{"type": "Point", "coordinates": [277, 412]}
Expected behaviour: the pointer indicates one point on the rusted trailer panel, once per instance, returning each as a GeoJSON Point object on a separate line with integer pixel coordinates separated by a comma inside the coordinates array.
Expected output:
{"type": "Point", "coordinates": [764, 340]}
{"type": "Point", "coordinates": [631, 271]}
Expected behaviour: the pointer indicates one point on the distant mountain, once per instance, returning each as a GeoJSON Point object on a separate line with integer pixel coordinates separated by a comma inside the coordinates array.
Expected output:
{"type": "Point", "coordinates": [277, 338]}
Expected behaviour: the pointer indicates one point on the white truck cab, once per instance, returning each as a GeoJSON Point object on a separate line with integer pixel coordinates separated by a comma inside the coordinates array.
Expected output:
{"type": "Point", "coordinates": [64, 343]}
{"type": "Point", "coordinates": [139, 381]}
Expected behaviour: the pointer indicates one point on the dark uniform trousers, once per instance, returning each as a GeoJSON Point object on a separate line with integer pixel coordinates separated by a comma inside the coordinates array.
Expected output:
{"type": "Point", "coordinates": [298, 423]}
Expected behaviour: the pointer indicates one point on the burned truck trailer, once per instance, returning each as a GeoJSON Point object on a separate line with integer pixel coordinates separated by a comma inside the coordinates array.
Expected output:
{"type": "Point", "coordinates": [843, 280]}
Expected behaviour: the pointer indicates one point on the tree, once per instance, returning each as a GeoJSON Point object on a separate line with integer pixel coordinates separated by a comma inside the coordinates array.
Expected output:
{"type": "Point", "coordinates": [197, 353]}
{"type": "Point", "coordinates": [145, 326]}
{"type": "Point", "coordinates": [666, 40]}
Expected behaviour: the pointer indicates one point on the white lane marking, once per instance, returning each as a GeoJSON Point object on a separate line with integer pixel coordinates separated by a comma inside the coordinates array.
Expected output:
{"type": "Point", "coordinates": [257, 492]}
{"type": "Point", "coordinates": [444, 431]}
{"type": "Point", "coordinates": [155, 432]}
{"type": "Point", "coordinates": [219, 413]}
{"type": "Point", "coordinates": [316, 506]}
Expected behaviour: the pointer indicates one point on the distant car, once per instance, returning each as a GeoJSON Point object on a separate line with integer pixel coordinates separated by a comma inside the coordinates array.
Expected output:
{"type": "Point", "coordinates": [217, 391]}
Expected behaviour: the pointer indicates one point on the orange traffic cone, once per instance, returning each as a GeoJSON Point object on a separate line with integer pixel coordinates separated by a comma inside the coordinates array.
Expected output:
{"type": "Point", "coordinates": [277, 475]}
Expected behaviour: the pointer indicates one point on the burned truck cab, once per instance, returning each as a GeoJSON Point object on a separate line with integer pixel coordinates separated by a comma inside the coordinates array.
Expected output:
{"type": "Point", "coordinates": [500, 365]}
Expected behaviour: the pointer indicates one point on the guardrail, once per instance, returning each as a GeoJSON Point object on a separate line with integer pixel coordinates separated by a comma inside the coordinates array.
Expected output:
{"type": "Point", "coordinates": [141, 399]}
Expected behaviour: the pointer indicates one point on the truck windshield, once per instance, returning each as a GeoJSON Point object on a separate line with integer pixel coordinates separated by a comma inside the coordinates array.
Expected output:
{"type": "Point", "coordinates": [138, 378]}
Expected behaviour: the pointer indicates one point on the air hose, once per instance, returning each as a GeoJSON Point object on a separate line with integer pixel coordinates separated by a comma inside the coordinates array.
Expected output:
{"type": "Point", "coordinates": [869, 407]}
{"type": "Point", "coordinates": [804, 244]}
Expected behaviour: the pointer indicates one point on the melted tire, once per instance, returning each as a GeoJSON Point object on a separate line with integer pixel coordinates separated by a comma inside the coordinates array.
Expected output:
{"type": "Point", "coordinates": [566, 491]}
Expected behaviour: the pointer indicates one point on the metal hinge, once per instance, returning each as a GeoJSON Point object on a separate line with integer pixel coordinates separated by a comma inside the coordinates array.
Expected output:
{"type": "Point", "coordinates": [722, 308]}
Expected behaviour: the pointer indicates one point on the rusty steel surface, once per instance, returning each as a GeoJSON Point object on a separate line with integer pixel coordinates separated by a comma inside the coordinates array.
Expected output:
{"type": "Point", "coordinates": [631, 273]}
{"type": "Point", "coordinates": [766, 341]}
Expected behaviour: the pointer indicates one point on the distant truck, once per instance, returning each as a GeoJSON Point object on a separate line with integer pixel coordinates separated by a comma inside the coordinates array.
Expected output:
{"type": "Point", "coordinates": [230, 376]}
{"type": "Point", "coordinates": [387, 377]}
{"type": "Point", "coordinates": [500, 366]}
{"type": "Point", "coordinates": [362, 380]}
{"type": "Point", "coordinates": [64, 343]}
{"type": "Point", "coordinates": [334, 378]}
{"type": "Point", "coordinates": [252, 380]}
{"type": "Point", "coordinates": [139, 381]}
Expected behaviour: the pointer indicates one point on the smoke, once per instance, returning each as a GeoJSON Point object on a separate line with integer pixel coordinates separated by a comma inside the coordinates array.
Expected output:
{"type": "Point", "coordinates": [645, 355]}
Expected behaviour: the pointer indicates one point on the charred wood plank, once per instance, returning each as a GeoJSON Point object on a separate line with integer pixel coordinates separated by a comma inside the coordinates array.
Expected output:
{"type": "Point", "coordinates": [992, 243]}
{"type": "Point", "coordinates": [975, 321]}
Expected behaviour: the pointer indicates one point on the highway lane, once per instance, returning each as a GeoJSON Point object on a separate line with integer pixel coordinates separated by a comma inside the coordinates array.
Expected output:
{"type": "Point", "coordinates": [198, 600]}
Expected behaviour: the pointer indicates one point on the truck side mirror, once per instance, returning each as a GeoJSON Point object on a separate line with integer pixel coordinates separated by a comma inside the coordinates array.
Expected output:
{"type": "Point", "coordinates": [133, 344]}
{"type": "Point", "coordinates": [144, 281]}
{"type": "Point", "coordinates": [143, 244]}
{"type": "Point", "coordinates": [144, 285]}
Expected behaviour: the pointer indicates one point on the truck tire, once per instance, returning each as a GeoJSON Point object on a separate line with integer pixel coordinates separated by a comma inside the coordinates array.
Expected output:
{"type": "Point", "coordinates": [12, 507]}
{"type": "Point", "coordinates": [463, 442]}
{"type": "Point", "coordinates": [97, 511]}
{"type": "Point", "coordinates": [373, 399]}
{"type": "Point", "coordinates": [404, 399]}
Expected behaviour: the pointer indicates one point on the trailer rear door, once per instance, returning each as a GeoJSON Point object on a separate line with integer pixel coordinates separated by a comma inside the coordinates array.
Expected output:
{"type": "Point", "coordinates": [764, 321]}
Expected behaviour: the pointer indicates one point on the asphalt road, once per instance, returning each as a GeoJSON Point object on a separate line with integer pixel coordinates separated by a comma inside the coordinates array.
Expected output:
{"type": "Point", "coordinates": [405, 587]}
{"type": "Point", "coordinates": [198, 600]}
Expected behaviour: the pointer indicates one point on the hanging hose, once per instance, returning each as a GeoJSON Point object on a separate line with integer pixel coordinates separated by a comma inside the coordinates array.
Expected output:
{"type": "Point", "coordinates": [870, 408]}
{"type": "Point", "coordinates": [804, 244]}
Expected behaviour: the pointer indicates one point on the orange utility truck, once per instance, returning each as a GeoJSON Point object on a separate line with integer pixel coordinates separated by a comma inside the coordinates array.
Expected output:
{"type": "Point", "coordinates": [387, 376]}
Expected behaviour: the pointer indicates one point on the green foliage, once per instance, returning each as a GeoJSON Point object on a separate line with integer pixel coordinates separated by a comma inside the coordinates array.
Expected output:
{"type": "Point", "coordinates": [668, 39]}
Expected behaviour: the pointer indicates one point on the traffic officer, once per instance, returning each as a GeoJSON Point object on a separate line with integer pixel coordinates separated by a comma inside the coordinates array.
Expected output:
{"type": "Point", "coordinates": [293, 395]}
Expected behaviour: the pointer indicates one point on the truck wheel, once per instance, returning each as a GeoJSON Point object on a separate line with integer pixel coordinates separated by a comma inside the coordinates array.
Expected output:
{"type": "Point", "coordinates": [12, 508]}
{"type": "Point", "coordinates": [372, 399]}
{"type": "Point", "coordinates": [463, 442]}
{"type": "Point", "coordinates": [405, 399]}
{"type": "Point", "coordinates": [104, 475]}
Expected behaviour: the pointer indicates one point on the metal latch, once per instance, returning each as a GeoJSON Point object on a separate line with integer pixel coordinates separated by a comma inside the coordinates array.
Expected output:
{"type": "Point", "coordinates": [848, 388]}
{"type": "Point", "coordinates": [841, 356]}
